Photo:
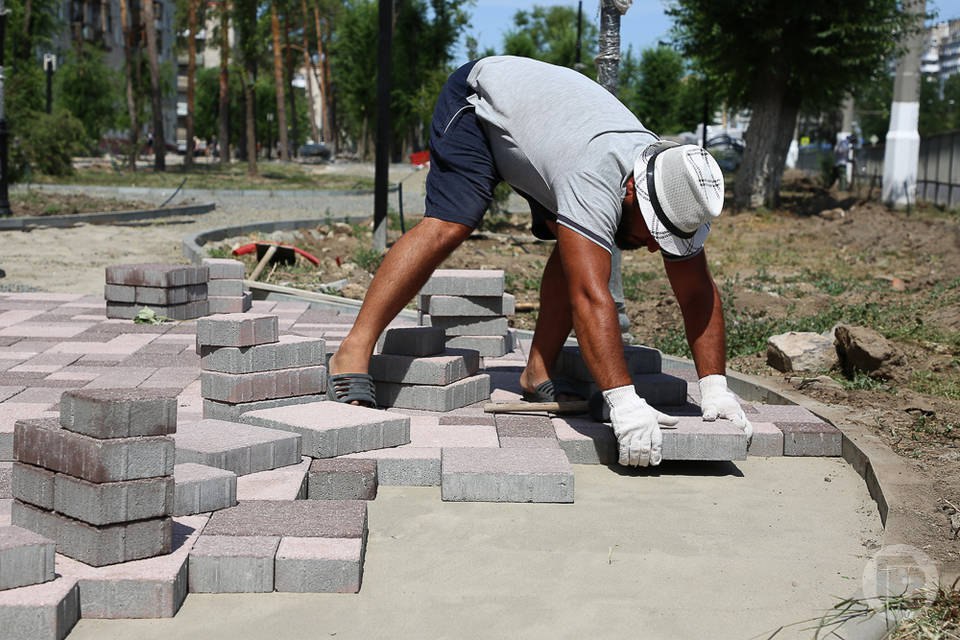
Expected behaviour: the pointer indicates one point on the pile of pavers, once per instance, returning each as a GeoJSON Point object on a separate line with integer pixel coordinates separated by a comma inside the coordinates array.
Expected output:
{"type": "Point", "coordinates": [178, 292]}
{"type": "Point", "coordinates": [247, 365]}
{"type": "Point", "coordinates": [416, 370]}
{"type": "Point", "coordinates": [471, 307]}
{"type": "Point", "coordinates": [225, 292]}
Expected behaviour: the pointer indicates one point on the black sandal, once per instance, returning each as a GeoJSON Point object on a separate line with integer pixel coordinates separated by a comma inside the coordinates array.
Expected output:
{"type": "Point", "coordinates": [352, 388]}
{"type": "Point", "coordinates": [548, 390]}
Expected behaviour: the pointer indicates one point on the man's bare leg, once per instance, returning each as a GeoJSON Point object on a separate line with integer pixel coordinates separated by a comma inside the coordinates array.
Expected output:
{"type": "Point", "coordinates": [405, 269]}
{"type": "Point", "coordinates": [554, 322]}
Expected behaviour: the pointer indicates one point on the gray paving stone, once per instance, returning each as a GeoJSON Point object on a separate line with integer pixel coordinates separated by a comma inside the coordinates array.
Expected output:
{"type": "Point", "coordinates": [163, 296]}
{"type": "Point", "coordinates": [25, 558]}
{"type": "Point", "coordinates": [237, 447]}
{"type": "Point", "coordinates": [486, 419]}
{"type": "Point", "coordinates": [464, 282]}
{"type": "Point", "coordinates": [264, 385]}
{"type": "Point", "coordinates": [811, 439]}
{"type": "Point", "coordinates": [319, 565]}
{"type": "Point", "coordinates": [44, 444]}
{"type": "Point", "coordinates": [230, 304]}
{"type": "Point", "coordinates": [780, 413]}
{"type": "Point", "coordinates": [434, 398]}
{"type": "Point", "coordinates": [290, 351]}
{"type": "Point", "coordinates": [113, 502]}
{"type": "Point", "coordinates": [96, 546]}
{"type": "Point", "coordinates": [119, 413]}
{"type": "Point", "coordinates": [767, 440]}
{"type": "Point", "coordinates": [232, 564]}
{"type": "Point", "coordinates": [149, 588]}
{"type": "Point", "coordinates": [284, 483]}
{"type": "Point", "coordinates": [224, 287]}
{"type": "Point", "coordinates": [331, 429]}
{"type": "Point", "coordinates": [405, 466]}
{"type": "Point", "coordinates": [223, 268]}
{"type": "Point", "coordinates": [486, 346]}
{"type": "Point", "coordinates": [156, 274]}
{"type": "Point", "coordinates": [506, 475]}
{"type": "Point", "coordinates": [6, 479]}
{"type": "Point", "coordinates": [453, 365]}
{"type": "Point", "coordinates": [412, 341]}
{"type": "Point", "coordinates": [529, 443]}
{"type": "Point", "coordinates": [295, 518]}
{"type": "Point", "coordinates": [232, 412]}
{"type": "Point", "coordinates": [200, 489]}
{"type": "Point", "coordinates": [640, 360]}
{"type": "Point", "coordinates": [470, 325]}
{"type": "Point", "coordinates": [237, 330]}
{"type": "Point", "coordinates": [342, 479]}
{"type": "Point", "coordinates": [524, 426]}
{"type": "Point", "coordinates": [440, 305]}
{"type": "Point", "coordinates": [34, 485]}
{"type": "Point", "coordinates": [185, 311]}
{"type": "Point", "coordinates": [45, 611]}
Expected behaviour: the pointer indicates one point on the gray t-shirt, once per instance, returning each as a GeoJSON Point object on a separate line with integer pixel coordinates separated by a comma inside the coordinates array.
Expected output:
{"type": "Point", "coordinates": [560, 138]}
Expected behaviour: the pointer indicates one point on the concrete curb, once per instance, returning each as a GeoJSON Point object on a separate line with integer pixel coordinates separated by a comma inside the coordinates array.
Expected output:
{"type": "Point", "coordinates": [29, 222]}
{"type": "Point", "coordinates": [166, 192]}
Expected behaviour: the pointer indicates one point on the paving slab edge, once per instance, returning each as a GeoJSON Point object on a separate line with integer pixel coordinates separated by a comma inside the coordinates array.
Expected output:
{"type": "Point", "coordinates": [25, 222]}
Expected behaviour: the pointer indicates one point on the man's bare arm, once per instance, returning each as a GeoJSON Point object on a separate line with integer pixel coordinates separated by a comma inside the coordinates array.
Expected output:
{"type": "Point", "coordinates": [702, 312]}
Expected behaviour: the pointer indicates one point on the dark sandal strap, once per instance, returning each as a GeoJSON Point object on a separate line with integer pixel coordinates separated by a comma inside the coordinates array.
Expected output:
{"type": "Point", "coordinates": [352, 387]}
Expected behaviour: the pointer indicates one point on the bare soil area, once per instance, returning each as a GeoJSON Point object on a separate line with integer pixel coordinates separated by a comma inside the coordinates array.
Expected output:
{"type": "Point", "coordinates": [41, 203]}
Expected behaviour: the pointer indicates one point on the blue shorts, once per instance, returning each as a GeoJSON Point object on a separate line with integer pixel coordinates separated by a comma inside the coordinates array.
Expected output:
{"type": "Point", "coordinates": [463, 173]}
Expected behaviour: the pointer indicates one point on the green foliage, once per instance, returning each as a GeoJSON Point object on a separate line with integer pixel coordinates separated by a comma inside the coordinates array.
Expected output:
{"type": "Point", "coordinates": [550, 34]}
{"type": "Point", "coordinates": [90, 90]}
{"type": "Point", "coordinates": [368, 259]}
{"type": "Point", "coordinates": [46, 144]}
{"type": "Point", "coordinates": [633, 282]}
{"type": "Point", "coordinates": [939, 105]}
{"type": "Point", "coordinates": [652, 88]}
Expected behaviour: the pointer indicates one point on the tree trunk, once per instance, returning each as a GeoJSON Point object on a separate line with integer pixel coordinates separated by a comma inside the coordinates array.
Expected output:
{"type": "Point", "coordinates": [307, 69]}
{"type": "Point", "coordinates": [224, 142]}
{"type": "Point", "coordinates": [156, 95]}
{"type": "Point", "coordinates": [130, 63]}
{"type": "Point", "coordinates": [278, 83]}
{"type": "Point", "coordinates": [766, 143]}
{"type": "Point", "coordinates": [192, 6]}
{"type": "Point", "coordinates": [288, 80]}
{"type": "Point", "coordinates": [329, 135]}
{"type": "Point", "coordinates": [249, 96]}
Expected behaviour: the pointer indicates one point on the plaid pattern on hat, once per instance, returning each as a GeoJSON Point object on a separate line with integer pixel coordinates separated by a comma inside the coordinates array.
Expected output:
{"type": "Point", "coordinates": [680, 191]}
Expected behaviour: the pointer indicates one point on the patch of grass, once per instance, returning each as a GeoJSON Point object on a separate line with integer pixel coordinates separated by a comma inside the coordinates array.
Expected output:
{"type": "Point", "coordinates": [220, 252]}
{"type": "Point", "coordinates": [935, 385]}
{"type": "Point", "coordinates": [368, 259]}
{"type": "Point", "coordinates": [827, 282]}
{"type": "Point", "coordinates": [632, 281]}
{"type": "Point", "coordinates": [863, 382]}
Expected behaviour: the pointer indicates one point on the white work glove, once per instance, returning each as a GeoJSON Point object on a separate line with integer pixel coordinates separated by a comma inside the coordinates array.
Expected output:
{"type": "Point", "coordinates": [717, 401]}
{"type": "Point", "coordinates": [637, 427]}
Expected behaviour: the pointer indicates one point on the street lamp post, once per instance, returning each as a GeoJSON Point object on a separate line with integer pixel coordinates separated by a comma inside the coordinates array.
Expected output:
{"type": "Point", "coordinates": [4, 133]}
{"type": "Point", "coordinates": [49, 66]}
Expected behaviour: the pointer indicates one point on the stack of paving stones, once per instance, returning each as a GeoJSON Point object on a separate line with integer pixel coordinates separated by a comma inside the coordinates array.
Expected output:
{"type": "Point", "coordinates": [471, 307]}
{"type": "Point", "coordinates": [225, 293]}
{"type": "Point", "coordinates": [415, 370]}
{"type": "Point", "coordinates": [178, 292]}
{"type": "Point", "coordinates": [247, 366]}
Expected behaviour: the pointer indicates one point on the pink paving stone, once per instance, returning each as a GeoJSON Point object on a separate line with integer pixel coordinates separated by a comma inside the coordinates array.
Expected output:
{"type": "Point", "coordinates": [785, 413]}
{"type": "Point", "coordinates": [170, 378]}
{"type": "Point", "coordinates": [5, 506]}
{"type": "Point", "coordinates": [425, 435]}
{"type": "Point", "coordinates": [149, 588]}
{"type": "Point", "coordinates": [284, 483]}
{"type": "Point", "coordinates": [121, 345]}
{"type": "Point", "coordinates": [8, 318]}
{"type": "Point", "coordinates": [45, 611]}
{"type": "Point", "coordinates": [44, 296]}
{"type": "Point", "coordinates": [120, 378]}
{"type": "Point", "coordinates": [79, 376]}
{"type": "Point", "coordinates": [9, 392]}
{"type": "Point", "coordinates": [458, 418]}
{"type": "Point", "coordinates": [46, 329]}
{"type": "Point", "coordinates": [767, 440]}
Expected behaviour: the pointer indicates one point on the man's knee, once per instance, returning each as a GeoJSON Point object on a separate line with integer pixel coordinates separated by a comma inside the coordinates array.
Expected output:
{"type": "Point", "coordinates": [445, 233]}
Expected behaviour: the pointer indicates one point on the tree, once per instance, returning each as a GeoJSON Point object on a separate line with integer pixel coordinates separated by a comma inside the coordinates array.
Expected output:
{"type": "Point", "coordinates": [248, 53]}
{"type": "Point", "coordinates": [156, 91]}
{"type": "Point", "coordinates": [651, 88]}
{"type": "Point", "coordinates": [550, 34]}
{"type": "Point", "coordinates": [89, 90]}
{"type": "Point", "coordinates": [279, 82]}
{"type": "Point", "coordinates": [223, 139]}
{"type": "Point", "coordinates": [194, 18]}
{"type": "Point", "coordinates": [130, 21]}
{"type": "Point", "coordinates": [778, 57]}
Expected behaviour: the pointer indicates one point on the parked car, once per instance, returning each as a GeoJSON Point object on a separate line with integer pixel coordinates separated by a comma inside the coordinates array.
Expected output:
{"type": "Point", "coordinates": [727, 150]}
{"type": "Point", "coordinates": [314, 152]}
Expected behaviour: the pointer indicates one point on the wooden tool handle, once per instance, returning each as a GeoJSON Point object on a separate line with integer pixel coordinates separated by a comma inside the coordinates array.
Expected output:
{"type": "Point", "coordinates": [570, 406]}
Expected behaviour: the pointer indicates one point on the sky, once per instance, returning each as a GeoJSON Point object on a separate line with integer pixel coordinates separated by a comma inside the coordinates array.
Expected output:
{"type": "Point", "coordinates": [643, 25]}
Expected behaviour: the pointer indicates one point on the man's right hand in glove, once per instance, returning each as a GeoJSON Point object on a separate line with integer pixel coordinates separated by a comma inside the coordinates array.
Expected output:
{"type": "Point", "coordinates": [637, 427]}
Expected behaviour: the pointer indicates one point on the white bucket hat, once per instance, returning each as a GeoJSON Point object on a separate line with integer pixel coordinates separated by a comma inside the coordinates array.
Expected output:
{"type": "Point", "coordinates": [680, 191]}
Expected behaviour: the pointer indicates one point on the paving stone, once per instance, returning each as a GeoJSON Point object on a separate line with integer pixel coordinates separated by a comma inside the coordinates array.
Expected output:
{"type": "Point", "coordinates": [232, 412]}
{"type": "Point", "coordinates": [236, 447]}
{"type": "Point", "coordinates": [118, 413]}
{"type": "Point", "coordinates": [290, 351]}
{"type": "Point", "coordinates": [26, 558]}
{"type": "Point", "coordinates": [331, 429]}
{"type": "Point", "coordinates": [640, 360]}
{"type": "Point", "coordinates": [524, 426]}
{"type": "Point", "coordinates": [295, 518]}
{"type": "Point", "coordinates": [468, 305]}
{"type": "Point", "coordinates": [163, 296]}
{"type": "Point", "coordinates": [453, 365]}
{"type": "Point", "coordinates": [781, 413]}
{"type": "Point", "coordinates": [811, 439]}
{"type": "Point", "coordinates": [434, 398]}
{"type": "Point", "coordinates": [767, 440]}
{"type": "Point", "coordinates": [284, 483]}
{"type": "Point", "coordinates": [232, 564]}
{"type": "Point", "coordinates": [433, 435]}
{"type": "Point", "coordinates": [96, 546]}
{"type": "Point", "coordinates": [185, 311]}
{"type": "Point", "coordinates": [470, 325]}
{"type": "Point", "coordinates": [6, 479]}
{"type": "Point", "coordinates": [529, 443]}
{"type": "Point", "coordinates": [113, 502]}
{"type": "Point", "coordinates": [148, 588]}
{"type": "Point", "coordinates": [34, 485]}
{"type": "Point", "coordinates": [45, 611]}
{"type": "Point", "coordinates": [156, 275]}
{"type": "Point", "coordinates": [264, 385]}
{"type": "Point", "coordinates": [43, 443]}
{"type": "Point", "coordinates": [230, 304]}
{"type": "Point", "coordinates": [506, 475]}
{"type": "Point", "coordinates": [224, 269]}
{"type": "Point", "coordinates": [342, 479]}
{"type": "Point", "coordinates": [6, 504]}
{"type": "Point", "coordinates": [404, 466]}
{"type": "Point", "coordinates": [464, 282]}
{"type": "Point", "coordinates": [467, 419]}
{"type": "Point", "coordinates": [227, 288]}
{"type": "Point", "coordinates": [36, 395]}
{"type": "Point", "coordinates": [486, 346]}
{"type": "Point", "coordinates": [412, 341]}
{"type": "Point", "coordinates": [237, 330]}
{"type": "Point", "coordinates": [200, 489]}
{"type": "Point", "coordinates": [319, 565]}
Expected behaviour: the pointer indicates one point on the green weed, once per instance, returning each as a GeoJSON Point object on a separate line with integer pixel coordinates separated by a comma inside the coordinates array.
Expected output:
{"type": "Point", "coordinates": [368, 259]}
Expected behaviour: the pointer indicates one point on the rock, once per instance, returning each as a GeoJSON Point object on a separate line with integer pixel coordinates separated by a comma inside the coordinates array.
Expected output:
{"type": "Point", "coordinates": [833, 214]}
{"type": "Point", "coordinates": [819, 382]}
{"type": "Point", "coordinates": [863, 349]}
{"type": "Point", "coordinates": [801, 351]}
